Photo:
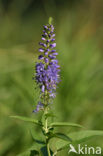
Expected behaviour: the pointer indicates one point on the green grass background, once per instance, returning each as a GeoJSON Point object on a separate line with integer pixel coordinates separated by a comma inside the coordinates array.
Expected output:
{"type": "Point", "coordinates": [79, 36]}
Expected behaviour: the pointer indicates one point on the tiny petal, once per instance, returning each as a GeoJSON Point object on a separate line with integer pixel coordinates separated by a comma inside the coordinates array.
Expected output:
{"type": "Point", "coordinates": [53, 39]}
{"type": "Point", "coordinates": [38, 107]}
{"type": "Point", "coordinates": [53, 45]}
{"type": "Point", "coordinates": [45, 34]}
{"type": "Point", "coordinates": [46, 53]}
{"type": "Point", "coordinates": [52, 28]}
{"type": "Point", "coordinates": [46, 60]}
{"type": "Point", "coordinates": [48, 41]}
{"type": "Point", "coordinates": [53, 35]}
{"type": "Point", "coordinates": [43, 44]}
{"type": "Point", "coordinates": [41, 50]}
{"type": "Point", "coordinates": [52, 95]}
{"type": "Point", "coordinates": [55, 54]}
{"type": "Point", "coordinates": [49, 35]}
{"type": "Point", "coordinates": [55, 61]}
{"type": "Point", "coordinates": [51, 57]}
{"type": "Point", "coordinates": [40, 57]}
{"type": "Point", "coordinates": [48, 50]}
{"type": "Point", "coordinates": [44, 31]}
{"type": "Point", "coordinates": [43, 88]}
{"type": "Point", "coordinates": [53, 50]}
{"type": "Point", "coordinates": [45, 27]}
{"type": "Point", "coordinates": [43, 39]}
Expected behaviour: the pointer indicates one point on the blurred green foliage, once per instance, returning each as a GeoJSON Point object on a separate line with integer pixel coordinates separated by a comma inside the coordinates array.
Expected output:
{"type": "Point", "coordinates": [79, 35]}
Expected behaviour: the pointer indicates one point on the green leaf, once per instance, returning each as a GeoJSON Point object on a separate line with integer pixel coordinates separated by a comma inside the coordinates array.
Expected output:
{"type": "Point", "coordinates": [63, 137]}
{"type": "Point", "coordinates": [35, 136]}
{"type": "Point", "coordinates": [78, 137]}
{"type": "Point", "coordinates": [27, 119]}
{"type": "Point", "coordinates": [83, 136]}
{"type": "Point", "coordinates": [58, 124]}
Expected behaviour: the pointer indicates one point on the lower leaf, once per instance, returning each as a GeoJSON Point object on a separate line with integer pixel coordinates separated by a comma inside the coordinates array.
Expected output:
{"type": "Point", "coordinates": [77, 138]}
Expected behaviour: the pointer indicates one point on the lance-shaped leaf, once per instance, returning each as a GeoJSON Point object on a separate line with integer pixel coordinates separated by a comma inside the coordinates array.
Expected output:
{"type": "Point", "coordinates": [27, 119]}
{"type": "Point", "coordinates": [62, 136]}
{"type": "Point", "coordinates": [58, 124]}
{"type": "Point", "coordinates": [78, 137]}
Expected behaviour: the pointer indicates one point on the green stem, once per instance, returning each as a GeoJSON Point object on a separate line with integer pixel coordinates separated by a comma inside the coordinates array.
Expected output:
{"type": "Point", "coordinates": [46, 130]}
{"type": "Point", "coordinates": [48, 149]}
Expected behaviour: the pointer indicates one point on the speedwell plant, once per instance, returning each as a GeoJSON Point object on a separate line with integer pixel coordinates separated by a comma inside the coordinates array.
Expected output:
{"type": "Point", "coordinates": [47, 77]}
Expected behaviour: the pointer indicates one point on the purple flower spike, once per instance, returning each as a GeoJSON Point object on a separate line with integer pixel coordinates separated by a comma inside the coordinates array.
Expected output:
{"type": "Point", "coordinates": [47, 69]}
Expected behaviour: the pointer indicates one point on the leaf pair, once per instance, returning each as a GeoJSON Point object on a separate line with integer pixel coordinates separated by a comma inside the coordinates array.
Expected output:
{"type": "Point", "coordinates": [27, 119]}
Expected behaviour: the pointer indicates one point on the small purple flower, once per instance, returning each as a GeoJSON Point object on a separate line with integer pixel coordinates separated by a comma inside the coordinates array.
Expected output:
{"type": "Point", "coordinates": [43, 39]}
{"type": "Point", "coordinates": [55, 61]}
{"type": "Point", "coordinates": [43, 88]}
{"type": "Point", "coordinates": [52, 95]}
{"type": "Point", "coordinates": [39, 106]}
{"type": "Point", "coordinates": [48, 49]}
{"type": "Point", "coordinates": [51, 56]}
{"type": "Point", "coordinates": [45, 27]}
{"type": "Point", "coordinates": [53, 35]}
{"type": "Point", "coordinates": [49, 35]}
{"type": "Point", "coordinates": [46, 53]}
{"type": "Point", "coordinates": [41, 50]}
{"type": "Point", "coordinates": [40, 57]}
{"type": "Point", "coordinates": [45, 34]}
{"type": "Point", "coordinates": [53, 50]}
{"type": "Point", "coordinates": [46, 60]}
{"type": "Point", "coordinates": [53, 45]}
{"type": "Point", "coordinates": [42, 44]}
{"type": "Point", "coordinates": [48, 41]}
{"type": "Point", "coordinates": [53, 39]}
{"type": "Point", "coordinates": [55, 54]}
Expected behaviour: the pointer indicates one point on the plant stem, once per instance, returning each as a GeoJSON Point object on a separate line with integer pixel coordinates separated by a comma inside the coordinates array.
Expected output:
{"type": "Point", "coordinates": [48, 149]}
{"type": "Point", "coordinates": [46, 130]}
